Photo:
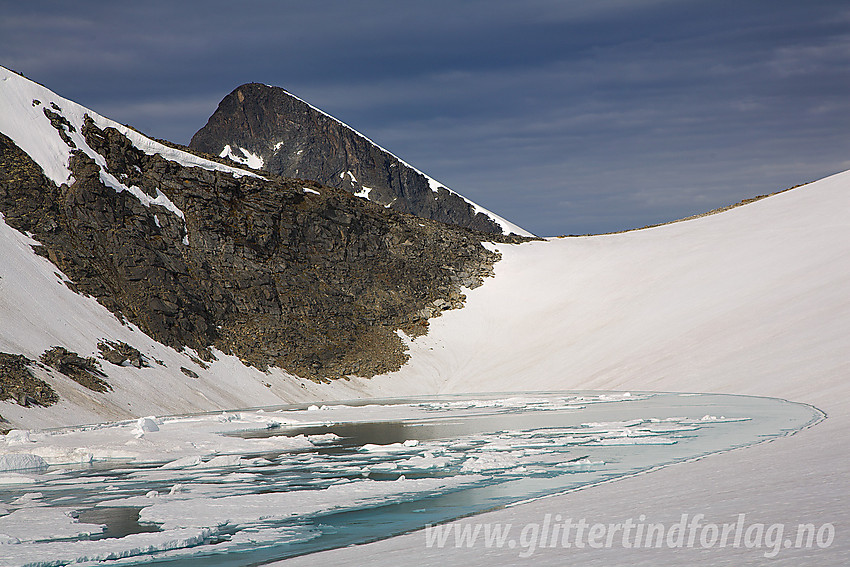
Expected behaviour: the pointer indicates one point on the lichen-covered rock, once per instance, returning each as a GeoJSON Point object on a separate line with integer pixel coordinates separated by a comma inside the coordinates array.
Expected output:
{"type": "Point", "coordinates": [120, 353]}
{"type": "Point", "coordinates": [84, 371]}
{"type": "Point", "coordinates": [18, 384]}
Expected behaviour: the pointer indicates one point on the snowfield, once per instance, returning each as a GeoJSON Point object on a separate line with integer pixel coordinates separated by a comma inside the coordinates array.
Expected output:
{"type": "Point", "coordinates": [754, 300]}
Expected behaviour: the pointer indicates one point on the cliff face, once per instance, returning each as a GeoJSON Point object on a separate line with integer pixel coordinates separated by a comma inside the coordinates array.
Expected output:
{"type": "Point", "coordinates": [267, 127]}
{"type": "Point", "coordinates": [278, 271]}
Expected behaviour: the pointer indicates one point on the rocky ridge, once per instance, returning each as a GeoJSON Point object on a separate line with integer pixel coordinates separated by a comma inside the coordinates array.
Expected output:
{"type": "Point", "coordinates": [266, 127]}
{"type": "Point", "coordinates": [280, 272]}
{"type": "Point", "coordinates": [18, 384]}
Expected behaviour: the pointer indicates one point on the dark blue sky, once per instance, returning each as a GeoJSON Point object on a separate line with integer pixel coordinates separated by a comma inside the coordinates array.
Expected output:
{"type": "Point", "coordinates": [565, 117]}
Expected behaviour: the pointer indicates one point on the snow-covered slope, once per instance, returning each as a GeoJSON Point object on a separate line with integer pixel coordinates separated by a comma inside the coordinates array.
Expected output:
{"type": "Point", "coordinates": [755, 300]}
{"type": "Point", "coordinates": [23, 119]}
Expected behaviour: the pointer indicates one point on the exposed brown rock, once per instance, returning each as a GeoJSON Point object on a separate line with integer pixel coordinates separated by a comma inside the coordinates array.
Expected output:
{"type": "Point", "coordinates": [84, 371]}
{"type": "Point", "coordinates": [313, 283]}
{"type": "Point", "coordinates": [18, 384]}
{"type": "Point", "coordinates": [296, 140]}
{"type": "Point", "coordinates": [120, 353]}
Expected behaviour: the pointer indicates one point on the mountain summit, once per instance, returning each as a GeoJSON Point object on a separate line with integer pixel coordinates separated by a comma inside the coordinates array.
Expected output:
{"type": "Point", "coordinates": [268, 128]}
{"type": "Point", "coordinates": [215, 262]}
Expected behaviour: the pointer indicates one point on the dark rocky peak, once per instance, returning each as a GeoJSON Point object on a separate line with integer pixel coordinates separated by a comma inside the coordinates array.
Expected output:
{"type": "Point", "coordinates": [267, 128]}
{"type": "Point", "coordinates": [210, 258]}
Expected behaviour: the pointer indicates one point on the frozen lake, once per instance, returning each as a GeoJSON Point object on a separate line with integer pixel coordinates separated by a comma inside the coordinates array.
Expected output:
{"type": "Point", "coordinates": [253, 486]}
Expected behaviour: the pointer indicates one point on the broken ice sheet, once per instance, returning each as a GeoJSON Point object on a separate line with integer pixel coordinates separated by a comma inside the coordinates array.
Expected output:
{"type": "Point", "coordinates": [228, 484]}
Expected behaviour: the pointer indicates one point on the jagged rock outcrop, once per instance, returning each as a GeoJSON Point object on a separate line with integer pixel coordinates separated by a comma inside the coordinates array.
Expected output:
{"type": "Point", "coordinates": [85, 371]}
{"type": "Point", "coordinates": [18, 384]}
{"type": "Point", "coordinates": [266, 126]}
{"type": "Point", "coordinates": [120, 353]}
{"type": "Point", "coordinates": [277, 271]}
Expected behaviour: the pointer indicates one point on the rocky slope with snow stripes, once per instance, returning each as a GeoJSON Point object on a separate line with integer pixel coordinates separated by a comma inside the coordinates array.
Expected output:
{"type": "Point", "coordinates": [204, 258]}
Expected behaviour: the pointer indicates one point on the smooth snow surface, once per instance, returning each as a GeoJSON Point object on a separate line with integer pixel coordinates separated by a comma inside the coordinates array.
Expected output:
{"type": "Point", "coordinates": [755, 300]}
